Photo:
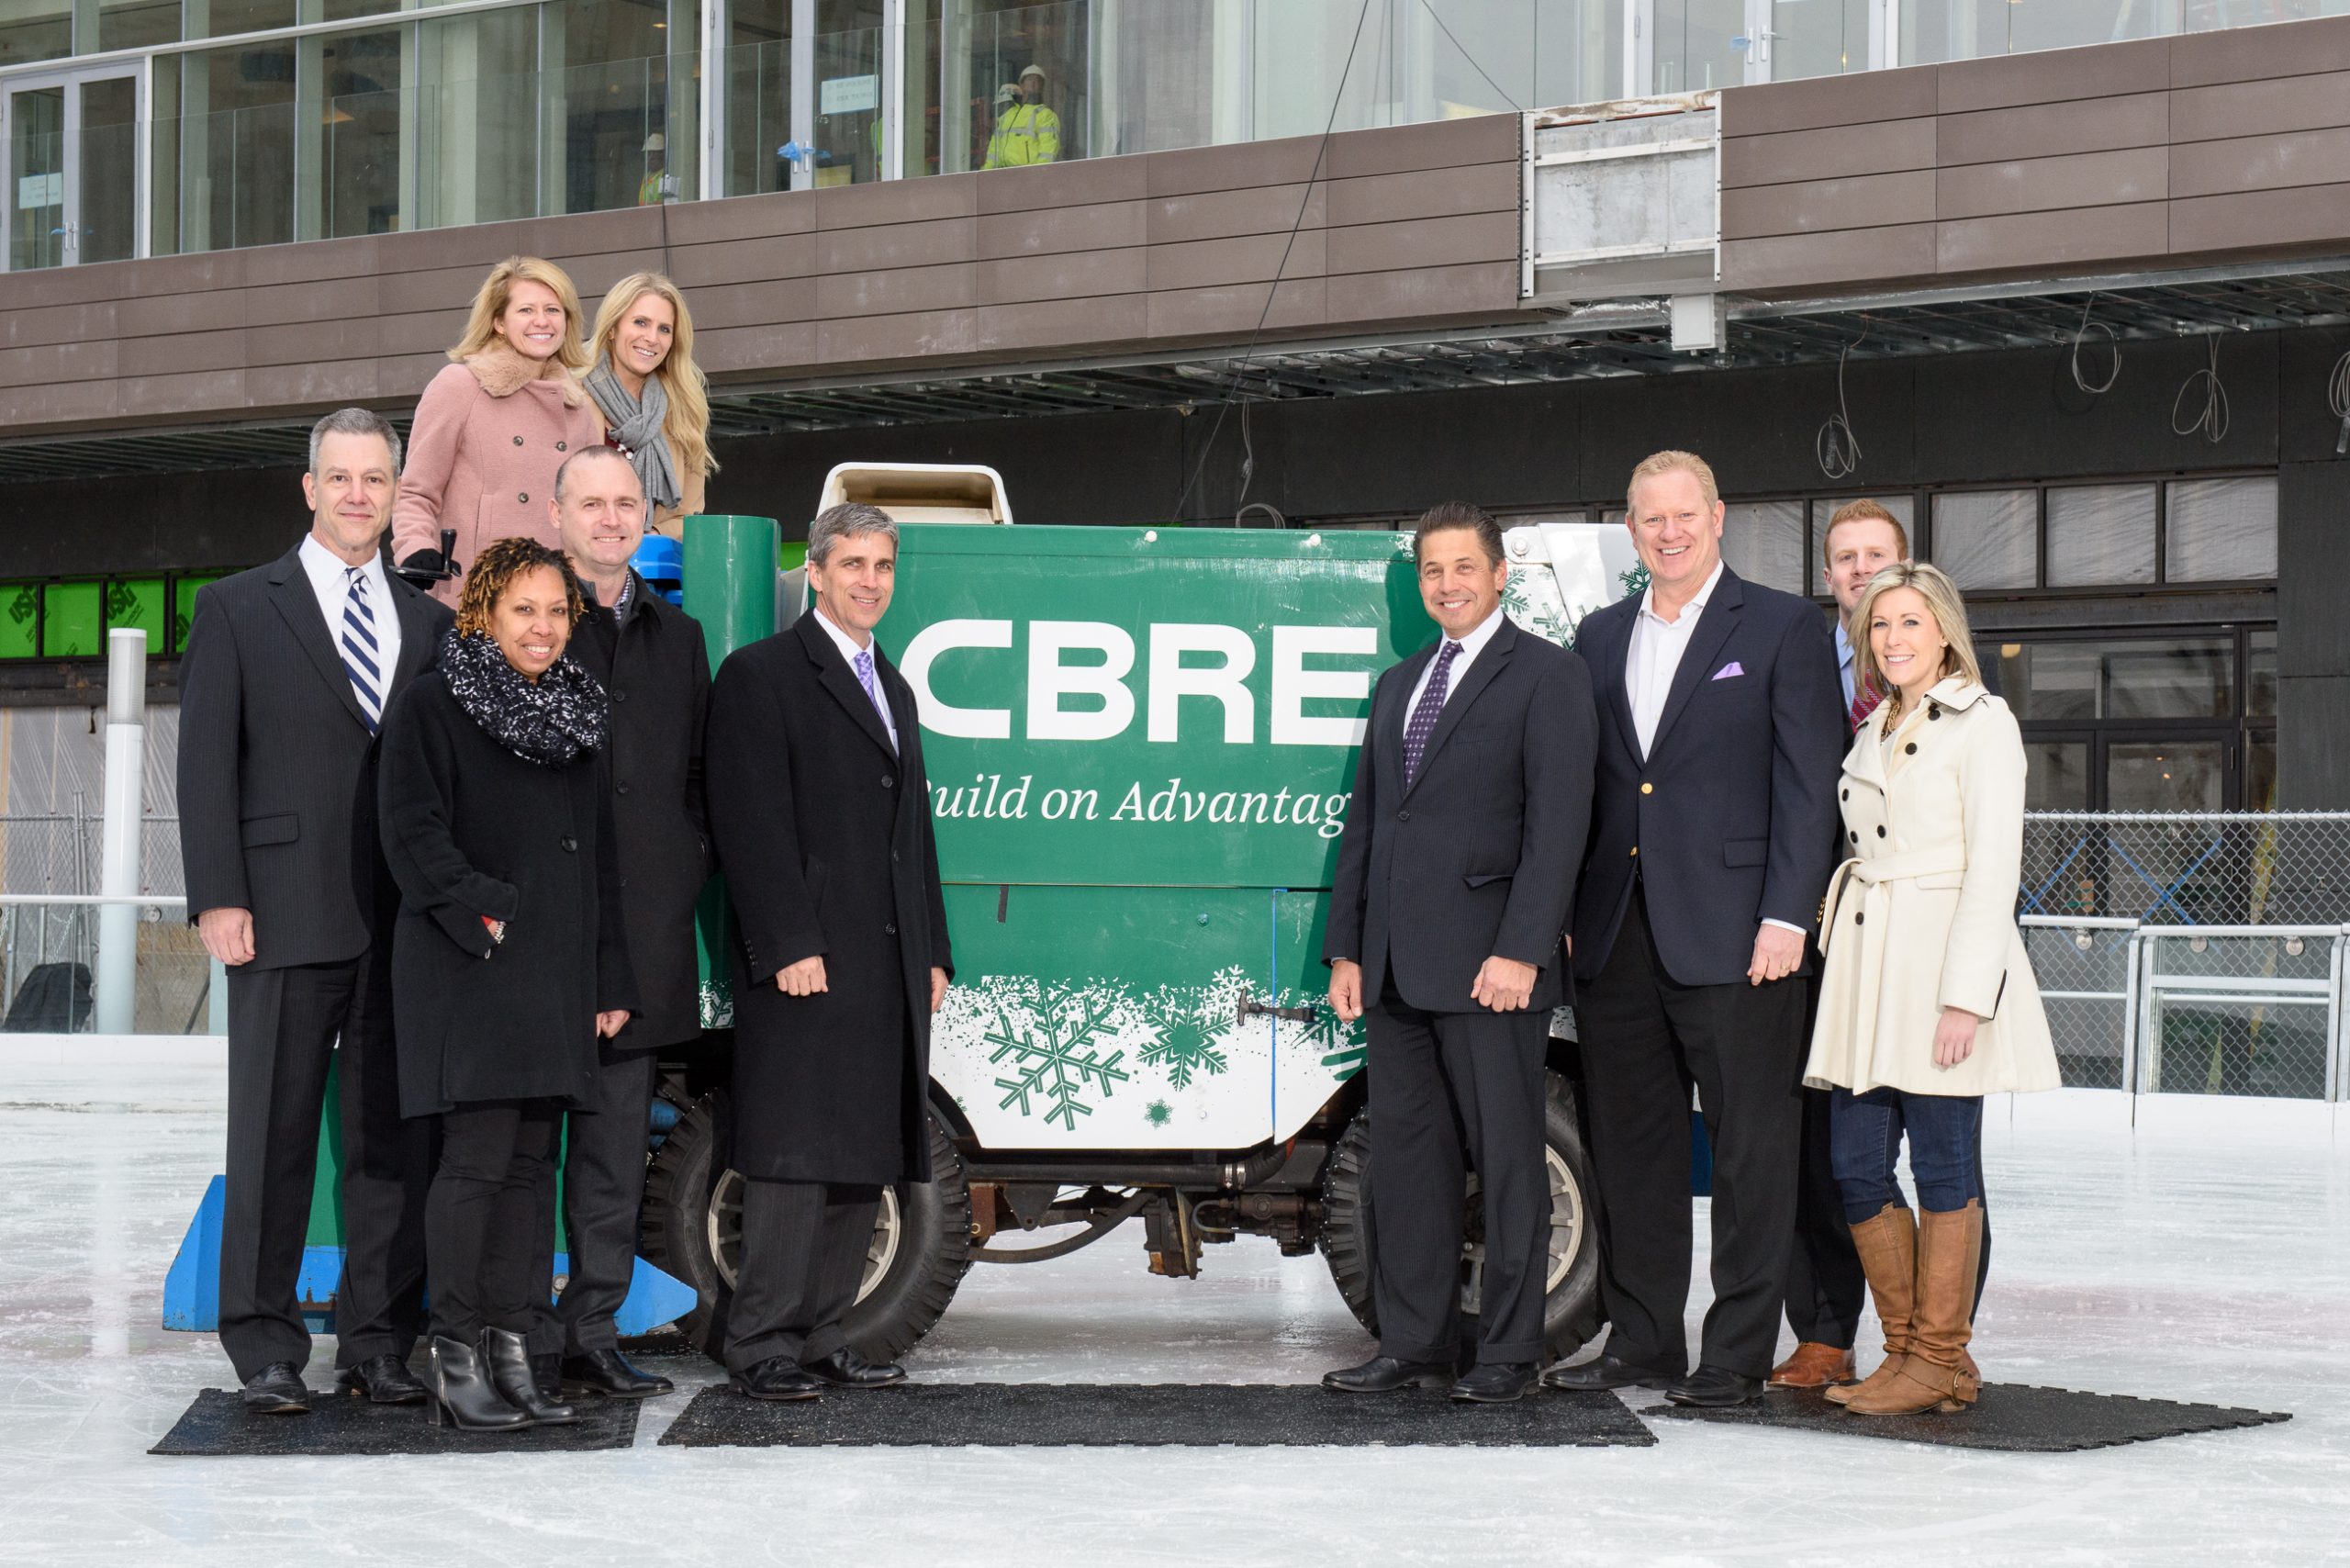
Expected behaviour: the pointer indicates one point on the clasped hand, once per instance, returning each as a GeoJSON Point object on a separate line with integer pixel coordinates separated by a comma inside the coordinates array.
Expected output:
{"type": "Point", "coordinates": [1503, 985]}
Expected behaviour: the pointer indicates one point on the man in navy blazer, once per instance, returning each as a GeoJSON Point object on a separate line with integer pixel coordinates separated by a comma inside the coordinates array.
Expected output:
{"type": "Point", "coordinates": [1455, 875]}
{"type": "Point", "coordinates": [1713, 829]}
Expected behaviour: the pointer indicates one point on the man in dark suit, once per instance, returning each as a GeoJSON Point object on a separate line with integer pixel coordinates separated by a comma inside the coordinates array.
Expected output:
{"type": "Point", "coordinates": [1455, 875]}
{"type": "Point", "coordinates": [1713, 836]}
{"type": "Point", "coordinates": [655, 667]}
{"type": "Point", "coordinates": [289, 668]}
{"type": "Point", "coordinates": [821, 811]}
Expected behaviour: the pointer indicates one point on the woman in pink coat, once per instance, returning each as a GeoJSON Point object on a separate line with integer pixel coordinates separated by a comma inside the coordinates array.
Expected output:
{"type": "Point", "coordinates": [493, 427]}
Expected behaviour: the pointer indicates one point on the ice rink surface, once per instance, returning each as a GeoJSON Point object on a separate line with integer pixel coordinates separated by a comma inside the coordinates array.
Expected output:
{"type": "Point", "coordinates": [2203, 1256]}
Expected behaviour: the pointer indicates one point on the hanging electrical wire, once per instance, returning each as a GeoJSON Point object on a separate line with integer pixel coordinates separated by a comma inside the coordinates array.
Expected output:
{"type": "Point", "coordinates": [2337, 396]}
{"type": "Point", "coordinates": [1272, 290]}
{"type": "Point", "coordinates": [2211, 422]}
{"type": "Point", "coordinates": [2113, 339]}
{"type": "Point", "coordinates": [1836, 448]}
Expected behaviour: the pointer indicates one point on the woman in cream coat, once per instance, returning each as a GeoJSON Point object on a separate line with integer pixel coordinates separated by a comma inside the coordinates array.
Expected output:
{"type": "Point", "coordinates": [1927, 1002]}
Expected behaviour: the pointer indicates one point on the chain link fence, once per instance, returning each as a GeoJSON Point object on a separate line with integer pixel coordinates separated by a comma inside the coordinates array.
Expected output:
{"type": "Point", "coordinates": [2182, 868]}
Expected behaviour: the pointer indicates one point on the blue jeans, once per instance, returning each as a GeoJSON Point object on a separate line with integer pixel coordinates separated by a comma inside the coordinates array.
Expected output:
{"type": "Point", "coordinates": [1864, 1133]}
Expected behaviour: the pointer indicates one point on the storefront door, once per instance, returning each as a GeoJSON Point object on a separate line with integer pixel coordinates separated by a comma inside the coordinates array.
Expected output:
{"type": "Point", "coordinates": [72, 169]}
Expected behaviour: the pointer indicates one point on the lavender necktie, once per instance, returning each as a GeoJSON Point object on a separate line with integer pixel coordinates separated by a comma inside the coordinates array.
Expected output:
{"type": "Point", "coordinates": [1423, 717]}
{"type": "Point", "coordinates": [863, 662]}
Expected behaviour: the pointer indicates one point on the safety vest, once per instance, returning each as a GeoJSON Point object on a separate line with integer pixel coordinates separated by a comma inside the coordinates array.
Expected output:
{"type": "Point", "coordinates": [1027, 133]}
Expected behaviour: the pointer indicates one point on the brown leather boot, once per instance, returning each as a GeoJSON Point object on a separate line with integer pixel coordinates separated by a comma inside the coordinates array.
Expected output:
{"type": "Point", "coordinates": [1887, 1243]}
{"type": "Point", "coordinates": [1813, 1365]}
{"type": "Point", "coordinates": [1934, 1375]}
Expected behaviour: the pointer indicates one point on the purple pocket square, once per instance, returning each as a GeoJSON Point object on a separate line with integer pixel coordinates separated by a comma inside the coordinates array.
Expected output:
{"type": "Point", "coordinates": [1732, 668]}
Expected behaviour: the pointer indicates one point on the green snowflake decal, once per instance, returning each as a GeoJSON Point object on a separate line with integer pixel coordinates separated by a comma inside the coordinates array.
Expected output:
{"type": "Point", "coordinates": [1189, 1021]}
{"type": "Point", "coordinates": [1052, 1045]}
{"type": "Point", "coordinates": [1635, 581]}
{"type": "Point", "coordinates": [1159, 1112]}
{"type": "Point", "coordinates": [1342, 1045]}
{"type": "Point", "coordinates": [1531, 599]}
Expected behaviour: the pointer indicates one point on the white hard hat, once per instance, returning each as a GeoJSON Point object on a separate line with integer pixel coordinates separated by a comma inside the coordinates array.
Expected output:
{"type": "Point", "coordinates": [1006, 93]}
{"type": "Point", "coordinates": [1032, 70]}
{"type": "Point", "coordinates": [657, 143]}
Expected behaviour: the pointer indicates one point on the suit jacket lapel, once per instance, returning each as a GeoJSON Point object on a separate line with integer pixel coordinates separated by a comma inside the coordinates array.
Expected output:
{"type": "Point", "coordinates": [290, 591]}
{"type": "Point", "coordinates": [832, 673]}
{"type": "Point", "coordinates": [1715, 624]}
{"type": "Point", "coordinates": [1608, 670]}
{"type": "Point", "coordinates": [1482, 670]}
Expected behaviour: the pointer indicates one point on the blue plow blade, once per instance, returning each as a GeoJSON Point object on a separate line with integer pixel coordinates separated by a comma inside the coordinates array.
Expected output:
{"type": "Point", "coordinates": [192, 1288]}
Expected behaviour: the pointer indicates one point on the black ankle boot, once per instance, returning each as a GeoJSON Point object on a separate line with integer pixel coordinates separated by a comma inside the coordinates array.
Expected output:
{"type": "Point", "coordinates": [461, 1395]}
{"type": "Point", "coordinates": [509, 1355]}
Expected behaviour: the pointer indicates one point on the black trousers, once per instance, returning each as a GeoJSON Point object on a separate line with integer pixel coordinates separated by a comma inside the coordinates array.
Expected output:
{"type": "Point", "coordinates": [1645, 1041]}
{"type": "Point", "coordinates": [485, 1265]}
{"type": "Point", "coordinates": [603, 1191]}
{"type": "Point", "coordinates": [1448, 1091]}
{"type": "Point", "coordinates": [283, 1029]}
{"type": "Point", "coordinates": [804, 1245]}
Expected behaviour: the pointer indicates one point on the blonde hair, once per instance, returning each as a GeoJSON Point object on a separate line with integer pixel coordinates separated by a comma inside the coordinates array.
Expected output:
{"type": "Point", "coordinates": [1672, 462]}
{"type": "Point", "coordinates": [489, 304]}
{"type": "Point", "coordinates": [1933, 585]}
{"type": "Point", "coordinates": [687, 425]}
{"type": "Point", "coordinates": [1861, 511]}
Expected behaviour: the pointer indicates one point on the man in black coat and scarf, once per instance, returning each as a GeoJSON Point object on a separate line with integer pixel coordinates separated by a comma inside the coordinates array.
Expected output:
{"type": "Point", "coordinates": [655, 667]}
{"type": "Point", "coordinates": [821, 813]}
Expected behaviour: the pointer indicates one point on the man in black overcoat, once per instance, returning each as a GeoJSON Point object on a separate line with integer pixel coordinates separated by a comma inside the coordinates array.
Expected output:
{"type": "Point", "coordinates": [289, 670]}
{"type": "Point", "coordinates": [1722, 737]}
{"type": "Point", "coordinates": [821, 813]}
{"type": "Point", "coordinates": [1455, 875]}
{"type": "Point", "coordinates": [655, 667]}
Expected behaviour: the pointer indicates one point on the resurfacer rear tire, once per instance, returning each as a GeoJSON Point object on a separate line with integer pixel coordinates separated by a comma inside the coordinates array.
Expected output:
{"type": "Point", "coordinates": [692, 1228]}
{"type": "Point", "coordinates": [1570, 1312]}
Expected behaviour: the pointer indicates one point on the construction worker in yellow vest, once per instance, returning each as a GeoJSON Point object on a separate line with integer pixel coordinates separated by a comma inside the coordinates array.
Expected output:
{"type": "Point", "coordinates": [1027, 132]}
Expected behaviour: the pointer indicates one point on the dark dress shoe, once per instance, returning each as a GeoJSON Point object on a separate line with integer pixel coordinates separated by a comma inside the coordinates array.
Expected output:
{"type": "Point", "coordinates": [1385, 1374]}
{"type": "Point", "coordinates": [508, 1356]}
{"type": "Point", "coordinates": [276, 1390]}
{"type": "Point", "coordinates": [546, 1371]}
{"type": "Point", "coordinates": [608, 1373]}
{"type": "Point", "coordinates": [1715, 1388]}
{"type": "Point", "coordinates": [1497, 1382]}
{"type": "Point", "coordinates": [850, 1367]}
{"type": "Point", "coordinates": [1603, 1374]}
{"type": "Point", "coordinates": [461, 1393]}
{"type": "Point", "coordinates": [381, 1380]}
{"type": "Point", "coordinates": [777, 1377]}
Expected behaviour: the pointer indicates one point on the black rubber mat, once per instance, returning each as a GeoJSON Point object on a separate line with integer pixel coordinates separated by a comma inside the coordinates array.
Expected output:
{"type": "Point", "coordinates": [1037, 1415]}
{"type": "Point", "coordinates": [2012, 1416]}
{"type": "Point", "coordinates": [218, 1423]}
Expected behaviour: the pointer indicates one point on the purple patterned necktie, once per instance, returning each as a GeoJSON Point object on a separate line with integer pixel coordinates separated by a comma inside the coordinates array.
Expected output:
{"type": "Point", "coordinates": [1424, 716]}
{"type": "Point", "coordinates": [863, 662]}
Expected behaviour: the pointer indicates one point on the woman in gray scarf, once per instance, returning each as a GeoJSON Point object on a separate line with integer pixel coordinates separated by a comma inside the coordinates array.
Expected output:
{"type": "Point", "coordinates": [654, 398]}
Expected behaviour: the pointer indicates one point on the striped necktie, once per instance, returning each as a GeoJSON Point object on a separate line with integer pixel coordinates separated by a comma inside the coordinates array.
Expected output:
{"type": "Point", "coordinates": [1865, 697]}
{"type": "Point", "coordinates": [865, 678]}
{"type": "Point", "coordinates": [362, 656]}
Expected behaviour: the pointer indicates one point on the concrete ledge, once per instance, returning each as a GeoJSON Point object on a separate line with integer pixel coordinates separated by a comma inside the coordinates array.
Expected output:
{"type": "Point", "coordinates": [113, 1050]}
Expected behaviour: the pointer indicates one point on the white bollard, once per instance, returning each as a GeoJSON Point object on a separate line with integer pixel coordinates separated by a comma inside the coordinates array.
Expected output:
{"type": "Point", "coordinates": [118, 862]}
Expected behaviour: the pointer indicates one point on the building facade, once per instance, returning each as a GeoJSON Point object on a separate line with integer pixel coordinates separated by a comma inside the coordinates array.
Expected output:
{"type": "Point", "coordinates": [2079, 314]}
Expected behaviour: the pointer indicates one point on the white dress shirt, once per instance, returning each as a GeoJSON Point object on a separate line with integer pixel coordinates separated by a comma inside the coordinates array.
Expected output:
{"type": "Point", "coordinates": [849, 650]}
{"type": "Point", "coordinates": [331, 581]}
{"type": "Point", "coordinates": [1472, 642]}
{"type": "Point", "coordinates": [1655, 656]}
{"type": "Point", "coordinates": [1654, 659]}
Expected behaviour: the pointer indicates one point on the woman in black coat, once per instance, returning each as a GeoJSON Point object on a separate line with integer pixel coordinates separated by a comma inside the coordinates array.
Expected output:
{"type": "Point", "coordinates": [508, 960]}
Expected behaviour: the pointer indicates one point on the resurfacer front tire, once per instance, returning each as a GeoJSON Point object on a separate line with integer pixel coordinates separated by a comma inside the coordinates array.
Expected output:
{"type": "Point", "coordinates": [692, 1228]}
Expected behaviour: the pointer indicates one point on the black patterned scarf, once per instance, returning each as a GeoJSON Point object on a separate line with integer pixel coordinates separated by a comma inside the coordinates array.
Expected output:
{"type": "Point", "coordinates": [548, 721]}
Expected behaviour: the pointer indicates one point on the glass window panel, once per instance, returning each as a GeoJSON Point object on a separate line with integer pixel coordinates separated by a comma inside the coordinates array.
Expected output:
{"type": "Point", "coordinates": [360, 132]}
{"type": "Point", "coordinates": [73, 623]}
{"type": "Point", "coordinates": [107, 169]}
{"type": "Point", "coordinates": [184, 593]}
{"type": "Point", "coordinates": [2260, 770]}
{"type": "Point", "coordinates": [2191, 678]}
{"type": "Point", "coordinates": [19, 619]}
{"type": "Point", "coordinates": [2050, 680]}
{"type": "Point", "coordinates": [2099, 535]}
{"type": "Point", "coordinates": [2220, 530]}
{"type": "Point", "coordinates": [2056, 776]}
{"type": "Point", "coordinates": [1762, 541]}
{"type": "Point", "coordinates": [36, 178]}
{"type": "Point", "coordinates": [757, 80]}
{"type": "Point", "coordinates": [134, 24]}
{"type": "Point", "coordinates": [137, 602]}
{"type": "Point", "coordinates": [2260, 675]}
{"type": "Point", "coordinates": [609, 110]}
{"type": "Point", "coordinates": [220, 18]}
{"type": "Point", "coordinates": [35, 30]}
{"type": "Point", "coordinates": [2166, 775]}
{"type": "Point", "coordinates": [477, 129]}
{"type": "Point", "coordinates": [1692, 44]}
{"type": "Point", "coordinates": [1816, 38]}
{"type": "Point", "coordinates": [1987, 539]}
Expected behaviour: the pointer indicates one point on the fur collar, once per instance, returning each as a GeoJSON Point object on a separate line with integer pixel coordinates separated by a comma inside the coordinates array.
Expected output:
{"type": "Point", "coordinates": [502, 373]}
